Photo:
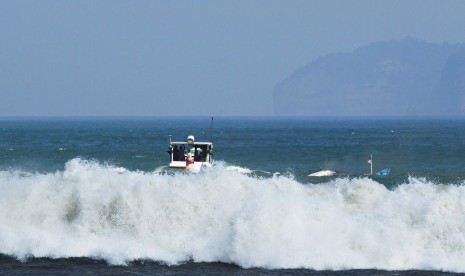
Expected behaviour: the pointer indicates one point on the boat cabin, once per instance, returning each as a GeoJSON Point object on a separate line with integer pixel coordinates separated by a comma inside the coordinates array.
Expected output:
{"type": "Point", "coordinates": [190, 154]}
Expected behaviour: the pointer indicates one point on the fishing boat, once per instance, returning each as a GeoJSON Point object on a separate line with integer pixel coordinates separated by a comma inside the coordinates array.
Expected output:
{"type": "Point", "coordinates": [190, 155]}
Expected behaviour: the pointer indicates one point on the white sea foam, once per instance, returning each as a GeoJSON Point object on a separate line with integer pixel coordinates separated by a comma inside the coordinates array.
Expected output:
{"type": "Point", "coordinates": [239, 169]}
{"type": "Point", "coordinates": [90, 210]}
{"type": "Point", "coordinates": [323, 173]}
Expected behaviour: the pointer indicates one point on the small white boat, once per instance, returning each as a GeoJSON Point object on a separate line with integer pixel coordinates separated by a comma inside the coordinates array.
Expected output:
{"type": "Point", "coordinates": [190, 155]}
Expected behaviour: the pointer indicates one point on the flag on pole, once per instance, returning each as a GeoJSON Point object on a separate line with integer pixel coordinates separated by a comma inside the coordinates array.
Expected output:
{"type": "Point", "coordinates": [369, 161]}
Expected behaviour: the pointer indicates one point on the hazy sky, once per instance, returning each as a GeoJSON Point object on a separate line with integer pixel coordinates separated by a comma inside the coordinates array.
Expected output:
{"type": "Point", "coordinates": [93, 58]}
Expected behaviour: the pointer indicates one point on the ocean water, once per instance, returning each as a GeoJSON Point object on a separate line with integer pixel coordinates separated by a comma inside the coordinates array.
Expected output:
{"type": "Point", "coordinates": [93, 195]}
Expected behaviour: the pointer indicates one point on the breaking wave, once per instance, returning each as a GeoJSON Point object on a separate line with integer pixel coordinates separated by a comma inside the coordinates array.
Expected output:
{"type": "Point", "coordinates": [92, 210]}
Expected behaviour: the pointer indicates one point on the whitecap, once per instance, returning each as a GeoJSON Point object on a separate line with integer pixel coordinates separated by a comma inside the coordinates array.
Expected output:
{"type": "Point", "coordinates": [223, 215]}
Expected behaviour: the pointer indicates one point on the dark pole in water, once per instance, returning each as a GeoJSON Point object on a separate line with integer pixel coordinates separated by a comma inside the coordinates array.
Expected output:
{"type": "Point", "coordinates": [211, 130]}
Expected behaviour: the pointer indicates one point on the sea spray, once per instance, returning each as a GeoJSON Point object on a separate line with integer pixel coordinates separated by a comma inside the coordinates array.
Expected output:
{"type": "Point", "coordinates": [91, 210]}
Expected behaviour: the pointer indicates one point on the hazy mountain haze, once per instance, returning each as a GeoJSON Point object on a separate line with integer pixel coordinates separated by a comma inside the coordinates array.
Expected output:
{"type": "Point", "coordinates": [406, 77]}
{"type": "Point", "coordinates": [103, 58]}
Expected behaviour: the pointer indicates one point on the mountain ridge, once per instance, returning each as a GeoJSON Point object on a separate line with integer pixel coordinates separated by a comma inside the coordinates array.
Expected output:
{"type": "Point", "coordinates": [407, 77]}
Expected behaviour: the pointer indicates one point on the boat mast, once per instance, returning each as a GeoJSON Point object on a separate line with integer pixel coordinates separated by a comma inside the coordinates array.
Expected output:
{"type": "Point", "coordinates": [211, 130]}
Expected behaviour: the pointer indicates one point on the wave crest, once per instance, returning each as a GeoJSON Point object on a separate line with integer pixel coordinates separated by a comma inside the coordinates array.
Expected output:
{"type": "Point", "coordinates": [91, 210]}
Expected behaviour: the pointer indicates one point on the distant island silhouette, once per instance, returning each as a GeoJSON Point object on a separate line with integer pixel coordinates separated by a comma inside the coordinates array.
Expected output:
{"type": "Point", "coordinates": [407, 77]}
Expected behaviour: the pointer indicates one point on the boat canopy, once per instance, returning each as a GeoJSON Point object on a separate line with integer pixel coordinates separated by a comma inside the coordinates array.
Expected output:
{"type": "Point", "coordinates": [201, 151]}
{"type": "Point", "coordinates": [194, 143]}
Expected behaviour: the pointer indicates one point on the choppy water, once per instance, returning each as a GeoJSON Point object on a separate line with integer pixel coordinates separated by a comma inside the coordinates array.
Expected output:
{"type": "Point", "coordinates": [90, 190]}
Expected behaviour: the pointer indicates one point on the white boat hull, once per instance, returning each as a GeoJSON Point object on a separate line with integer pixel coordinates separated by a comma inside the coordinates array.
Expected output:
{"type": "Point", "coordinates": [195, 167]}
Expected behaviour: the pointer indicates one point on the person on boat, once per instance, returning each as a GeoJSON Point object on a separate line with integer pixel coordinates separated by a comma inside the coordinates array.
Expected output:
{"type": "Point", "coordinates": [175, 151]}
{"type": "Point", "coordinates": [181, 154]}
{"type": "Point", "coordinates": [189, 159]}
{"type": "Point", "coordinates": [197, 154]}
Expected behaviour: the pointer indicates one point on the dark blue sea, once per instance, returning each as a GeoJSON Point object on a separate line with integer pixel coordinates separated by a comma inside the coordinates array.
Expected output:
{"type": "Point", "coordinates": [94, 196]}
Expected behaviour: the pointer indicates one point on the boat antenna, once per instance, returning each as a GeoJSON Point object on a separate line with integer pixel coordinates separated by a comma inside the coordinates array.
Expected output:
{"type": "Point", "coordinates": [211, 130]}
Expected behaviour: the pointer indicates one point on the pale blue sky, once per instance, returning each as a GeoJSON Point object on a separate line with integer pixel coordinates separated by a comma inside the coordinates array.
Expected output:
{"type": "Point", "coordinates": [144, 58]}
